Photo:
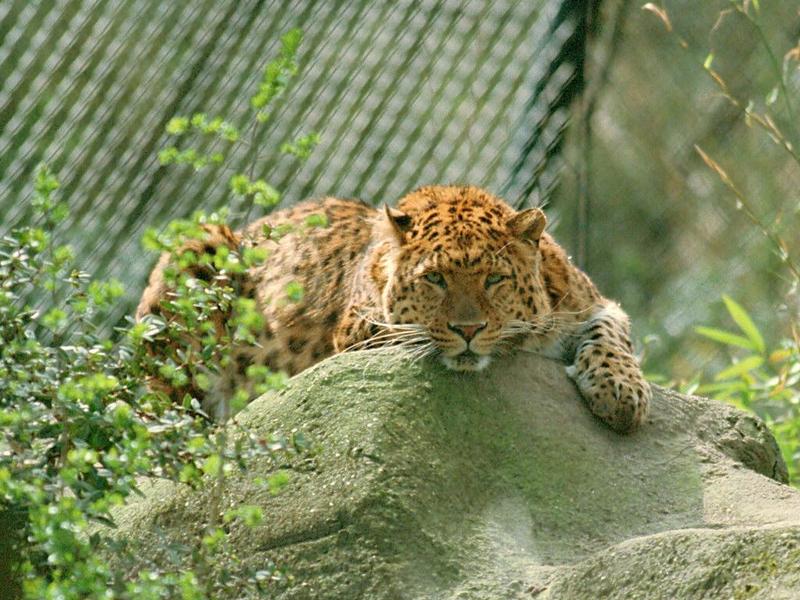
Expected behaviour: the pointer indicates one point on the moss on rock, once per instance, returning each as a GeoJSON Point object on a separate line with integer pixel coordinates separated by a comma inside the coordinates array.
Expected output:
{"type": "Point", "coordinates": [499, 484]}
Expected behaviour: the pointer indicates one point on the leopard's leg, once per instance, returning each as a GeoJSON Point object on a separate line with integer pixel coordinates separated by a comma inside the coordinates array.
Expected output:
{"type": "Point", "coordinates": [606, 371]}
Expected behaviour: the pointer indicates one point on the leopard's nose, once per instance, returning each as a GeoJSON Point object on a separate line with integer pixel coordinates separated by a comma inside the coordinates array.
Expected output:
{"type": "Point", "coordinates": [467, 330]}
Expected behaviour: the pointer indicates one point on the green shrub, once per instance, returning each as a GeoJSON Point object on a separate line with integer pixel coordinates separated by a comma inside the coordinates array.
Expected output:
{"type": "Point", "coordinates": [764, 380]}
{"type": "Point", "coordinates": [77, 426]}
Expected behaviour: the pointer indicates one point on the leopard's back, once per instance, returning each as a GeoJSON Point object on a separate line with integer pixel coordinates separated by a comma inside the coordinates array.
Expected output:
{"type": "Point", "coordinates": [304, 285]}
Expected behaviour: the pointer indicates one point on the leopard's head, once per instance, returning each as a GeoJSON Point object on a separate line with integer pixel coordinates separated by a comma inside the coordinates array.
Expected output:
{"type": "Point", "coordinates": [463, 273]}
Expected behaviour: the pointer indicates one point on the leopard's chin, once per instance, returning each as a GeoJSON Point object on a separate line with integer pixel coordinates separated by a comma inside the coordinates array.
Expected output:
{"type": "Point", "coordinates": [467, 361]}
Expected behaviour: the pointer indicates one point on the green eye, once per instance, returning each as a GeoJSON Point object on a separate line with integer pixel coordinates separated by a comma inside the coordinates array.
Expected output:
{"type": "Point", "coordinates": [435, 278]}
{"type": "Point", "coordinates": [493, 279]}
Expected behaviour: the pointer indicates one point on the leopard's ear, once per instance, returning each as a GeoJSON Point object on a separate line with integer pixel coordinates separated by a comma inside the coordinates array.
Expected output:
{"type": "Point", "coordinates": [528, 224]}
{"type": "Point", "coordinates": [399, 221]}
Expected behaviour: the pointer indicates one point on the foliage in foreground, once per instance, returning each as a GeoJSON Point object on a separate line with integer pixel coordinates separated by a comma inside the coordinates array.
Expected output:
{"type": "Point", "coordinates": [764, 380]}
{"type": "Point", "coordinates": [77, 428]}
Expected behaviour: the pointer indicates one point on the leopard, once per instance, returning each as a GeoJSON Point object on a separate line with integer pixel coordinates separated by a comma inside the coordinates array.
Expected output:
{"type": "Point", "coordinates": [452, 272]}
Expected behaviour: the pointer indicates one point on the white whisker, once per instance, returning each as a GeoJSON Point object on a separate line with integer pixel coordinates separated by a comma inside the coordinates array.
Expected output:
{"type": "Point", "coordinates": [394, 341]}
{"type": "Point", "coordinates": [389, 335]}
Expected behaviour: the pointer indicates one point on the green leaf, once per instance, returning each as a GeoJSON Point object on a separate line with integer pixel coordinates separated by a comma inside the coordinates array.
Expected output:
{"type": "Point", "coordinates": [772, 97]}
{"type": "Point", "coordinates": [203, 381]}
{"type": "Point", "coordinates": [725, 388]}
{"type": "Point", "coordinates": [291, 42]}
{"type": "Point", "coordinates": [62, 255]}
{"type": "Point", "coordinates": [249, 514]}
{"type": "Point", "coordinates": [177, 125]}
{"type": "Point", "coordinates": [213, 539]}
{"type": "Point", "coordinates": [199, 120]}
{"type": "Point", "coordinates": [317, 220]}
{"type": "Point", "coordinates": [229, 132]}
{"type": "Point", "coordinates": [743, 366]}
{"type": "Point", "coordinates": [280, 231]}
{"type": "Point", "coordinates": [168, 155]}
{"type": "Point", "coordinates": [212, 465]}
{"type": "Point", "coordinates": [239, 184]}
{"type": "Point", "coordinates": [745, 323]}
{"type": "Point", "coordinates": [264, 194]}
{"type": "Point", "coordinates": [239, 400]}
{"type": "Point", "coordinates": [60, 212]}
{"type": "Point", "coordinates": [105, 292]}
{"type": "Point", "coordinates": [294, 291]}
{"type": "Point", "coordinates": [45, 182]}
{"type": "Point", "coordinates": [726, 337]}
{"type": "Point", "coordinates": [277, 481]}
{"type": "Point", "coordinates": [302, 146]}
{"type": "Point", "coordinates": [151, 240]}
{"type": "Point", "coordinates": [54, 319]}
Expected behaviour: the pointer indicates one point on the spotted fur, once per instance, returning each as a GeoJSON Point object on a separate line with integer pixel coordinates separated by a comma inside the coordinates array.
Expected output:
{"type": "Point", "coordinates": [453, 272]}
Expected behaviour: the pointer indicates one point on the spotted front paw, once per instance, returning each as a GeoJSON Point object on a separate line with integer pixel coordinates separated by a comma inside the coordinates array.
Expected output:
{"type": "Point", "coordinates": [613, 385]}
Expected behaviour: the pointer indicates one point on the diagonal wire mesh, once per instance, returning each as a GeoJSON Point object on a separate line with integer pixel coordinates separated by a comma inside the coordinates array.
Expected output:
{"type": "Point", "coordinates": [666, 238]}
{"type": "Point", "coordinates": [403, 93]}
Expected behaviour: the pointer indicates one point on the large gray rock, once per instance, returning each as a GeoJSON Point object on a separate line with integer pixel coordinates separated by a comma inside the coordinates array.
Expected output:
{"type": "Point", "coordinates": [501, 484]}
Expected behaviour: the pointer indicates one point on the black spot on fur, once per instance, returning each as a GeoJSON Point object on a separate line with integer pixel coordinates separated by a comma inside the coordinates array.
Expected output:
{"type": "Point", "coordinates": [296, 345]}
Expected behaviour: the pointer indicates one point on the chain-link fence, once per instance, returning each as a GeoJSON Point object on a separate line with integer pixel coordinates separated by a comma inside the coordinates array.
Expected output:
{"type": "Point", "coordinates": [665, 236]}
{"type": "Point", "coordinates": [403, 94]}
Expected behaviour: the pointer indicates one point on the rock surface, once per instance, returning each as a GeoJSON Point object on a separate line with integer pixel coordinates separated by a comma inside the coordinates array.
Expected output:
{"type": "Point", "coordinates": [501, 484]}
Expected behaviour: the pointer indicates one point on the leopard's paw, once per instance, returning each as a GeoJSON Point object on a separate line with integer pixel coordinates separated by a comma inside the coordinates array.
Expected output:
{"type": "Point", "coordinates": [613, 385]}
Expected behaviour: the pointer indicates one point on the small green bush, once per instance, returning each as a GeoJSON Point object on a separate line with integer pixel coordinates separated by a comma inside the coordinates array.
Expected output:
{"type": "Point", "coordinates": [78, 428]}
{"type": "Point", "coordinates": [764, 380]}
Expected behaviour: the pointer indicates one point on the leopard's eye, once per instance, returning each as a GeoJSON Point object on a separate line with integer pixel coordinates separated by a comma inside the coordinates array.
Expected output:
{"type": "Point", "coordinates": [435, 278]}
{"type": "Point", "coordinates": [493, 279]}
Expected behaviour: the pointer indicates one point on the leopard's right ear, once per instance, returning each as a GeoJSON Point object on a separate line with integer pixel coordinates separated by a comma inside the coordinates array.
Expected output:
{"type": "Point", "coordinates": [398, 221]}
{"type": "Point", "coordinates": [528, 225]}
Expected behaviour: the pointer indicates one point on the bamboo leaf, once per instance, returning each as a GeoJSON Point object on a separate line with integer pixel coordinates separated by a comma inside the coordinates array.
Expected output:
{"type": "Point", "coordinates": [726, 337]}
{"type": "Point", "coordinates": [772, 96]}
{"type": "Point", "coordinates": [780, 355]}
{"type": "Point", "coordinates": [660, 13]}
{"type": "Point", "coordinates": [745, 323]}
{"type": "Point", "coordinates": [721, 389]}
{"type": "Point", "coordinates": [743, 366]}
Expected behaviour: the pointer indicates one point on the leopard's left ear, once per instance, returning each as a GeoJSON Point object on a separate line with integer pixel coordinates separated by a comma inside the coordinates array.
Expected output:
{"type": "Point", "coordinates": [528, 224]}
{"type": "Point", "coordinates": [399, 221]}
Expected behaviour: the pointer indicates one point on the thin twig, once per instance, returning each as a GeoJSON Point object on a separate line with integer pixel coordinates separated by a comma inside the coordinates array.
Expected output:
{"type": "Point", "coordinates": [745, 206]}
{"type": "Point", "coordinates": [773, 60]}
